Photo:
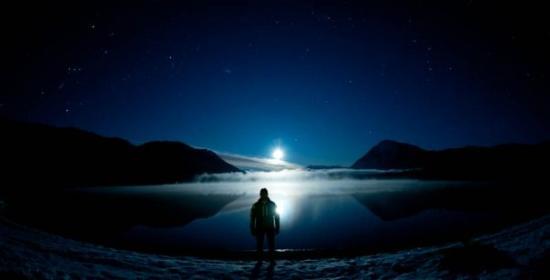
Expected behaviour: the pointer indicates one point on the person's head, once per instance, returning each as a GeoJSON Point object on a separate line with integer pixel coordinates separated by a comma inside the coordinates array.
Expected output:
{"type": "Point", "coordinates": [263, 193]}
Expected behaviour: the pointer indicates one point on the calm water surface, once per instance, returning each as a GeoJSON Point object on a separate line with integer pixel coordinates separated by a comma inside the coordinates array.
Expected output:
{"type": "Point", "coordinates": [315, 214]}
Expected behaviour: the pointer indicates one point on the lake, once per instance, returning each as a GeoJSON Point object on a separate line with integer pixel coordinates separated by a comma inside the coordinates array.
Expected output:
{"type": "Point", "coordinates": [317, 213]}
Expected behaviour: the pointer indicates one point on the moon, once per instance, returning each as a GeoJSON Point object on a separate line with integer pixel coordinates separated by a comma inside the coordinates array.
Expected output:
{"type": "Point", "coordinates": [278, 154]}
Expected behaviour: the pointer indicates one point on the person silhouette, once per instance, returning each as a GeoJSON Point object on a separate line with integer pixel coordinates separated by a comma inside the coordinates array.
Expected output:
{"type": "Point", "coordinates": [264, 222]}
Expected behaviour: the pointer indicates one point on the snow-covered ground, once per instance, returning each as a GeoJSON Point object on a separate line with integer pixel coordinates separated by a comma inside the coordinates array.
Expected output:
{"type": "Point", "coordinates": [518, 252]}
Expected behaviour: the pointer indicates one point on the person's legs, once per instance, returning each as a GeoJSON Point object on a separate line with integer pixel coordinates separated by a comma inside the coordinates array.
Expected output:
{"type": "Point", "coordinates": [259, 243]}
{"type": "Point", "coordinates": [271, 243]}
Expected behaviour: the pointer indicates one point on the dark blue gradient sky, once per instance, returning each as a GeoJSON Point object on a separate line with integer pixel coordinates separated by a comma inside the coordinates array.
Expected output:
{"type": "Point", "coordinates": [324, 79]}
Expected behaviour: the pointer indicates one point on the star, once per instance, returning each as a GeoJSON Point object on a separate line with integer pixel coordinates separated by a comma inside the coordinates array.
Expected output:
{"type": "Point", "coordinates": [74, 69]}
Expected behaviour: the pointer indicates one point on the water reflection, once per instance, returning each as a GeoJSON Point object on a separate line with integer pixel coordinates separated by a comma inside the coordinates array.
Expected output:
{"type": "Point", "coordinates": [348, 215]}
{"type": "Point", "coordinates": [308, 222]}
{"type": "Point", "coordinates": [508, 201]}
{"type": "Point", "coordinates": [285, 206]}
{"type": "Point", "coordinates": [379, 220]}
{"type": "Point", "coordinates": [102, 215]}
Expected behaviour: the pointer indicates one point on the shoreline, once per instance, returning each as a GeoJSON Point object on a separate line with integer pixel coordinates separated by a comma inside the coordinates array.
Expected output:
{"type": "Point", "coordinates": [519, 251]}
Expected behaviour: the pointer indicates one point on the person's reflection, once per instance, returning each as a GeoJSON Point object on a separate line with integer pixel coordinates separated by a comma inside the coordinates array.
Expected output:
{"type": "Point", "coordinates": [270, 270]}
{"type": "Point", "coordinates": [264, 222]}
{"type": "Point", "coordinates": [256, 270]}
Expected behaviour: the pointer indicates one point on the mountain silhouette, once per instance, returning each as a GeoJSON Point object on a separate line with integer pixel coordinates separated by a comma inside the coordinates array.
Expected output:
{"type": "Point", "coordinates": [42, 156]}
{"type": "Point", "coordinates": [390, 154]}
{"type": "Point", "coordinates": [503, 161]}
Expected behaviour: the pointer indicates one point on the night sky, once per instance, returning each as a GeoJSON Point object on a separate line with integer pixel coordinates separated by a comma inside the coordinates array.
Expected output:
{"type": "Point", "coordinates": [325, 80]}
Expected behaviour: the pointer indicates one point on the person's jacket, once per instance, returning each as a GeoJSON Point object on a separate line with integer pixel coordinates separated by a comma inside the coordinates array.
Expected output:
{"type": "Point", "coordinates": [263, 216]}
